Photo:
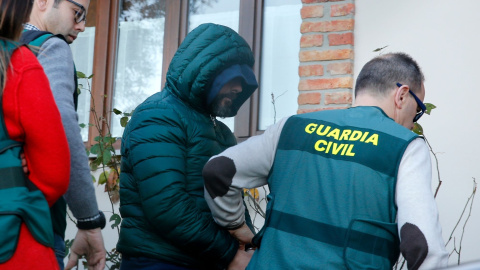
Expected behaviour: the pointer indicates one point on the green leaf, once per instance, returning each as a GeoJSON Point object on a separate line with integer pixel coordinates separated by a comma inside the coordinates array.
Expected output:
{"type": "Point", "coordinates": [124, 121]}
{"type": "Point", "coordinates": [103, 178]}
{"type": "Point", "coordinates": [93, 166]}
{"type": "Point", "coordinates": [89, 77]}
{"type": "Point", "coordinates": [98, 138]}
{"type": "Point", "coordinates": [95, 149]}
{"type": "Point", "coordinates": [82, 125]}
{"type": "Point", "coordinates": [430, 107]}
{"type": "Point", "coordinates": [116, 111]}
{"type": "Point", "coordinates": [379, 49]}
{"type": "Point", "coordinates": [93, 178]}
{"type": "Point", "coordinates": [417, 128]}
{"type": "Point", "coordinates": [116, 220]}
{"type": "Point", "coordinates": [90, 125]}
{"type": "Point", "coordinates": [81, 75]}
{"type": "Point", "coordinates": [107, 156]}
{"type": "Point", "coordinates": [68, 245]}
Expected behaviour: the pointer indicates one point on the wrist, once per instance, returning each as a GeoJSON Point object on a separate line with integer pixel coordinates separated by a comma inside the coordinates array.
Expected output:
{"type": "Point", "coordinates": [233, 228]}
{"type": "Point", "coordinates": [97, 221]}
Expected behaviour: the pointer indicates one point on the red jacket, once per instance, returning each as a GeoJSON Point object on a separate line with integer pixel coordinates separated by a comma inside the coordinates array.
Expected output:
{"type": "Point", "coordinates": [32, 117]}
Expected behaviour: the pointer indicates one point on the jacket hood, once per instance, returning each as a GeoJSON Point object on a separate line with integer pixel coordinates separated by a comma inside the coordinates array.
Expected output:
{"type": "Point", "coordinates": [206, 51]}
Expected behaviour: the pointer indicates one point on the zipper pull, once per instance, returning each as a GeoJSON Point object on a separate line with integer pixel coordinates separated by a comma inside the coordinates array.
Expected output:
{"type": "Point", "coordinates": [213, 120]}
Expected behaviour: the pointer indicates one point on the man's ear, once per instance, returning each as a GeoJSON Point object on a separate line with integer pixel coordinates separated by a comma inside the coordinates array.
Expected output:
{"type": "Point", "coordinates": [41, 4]}
{"type": "Point", "coordinates": [401, 95]}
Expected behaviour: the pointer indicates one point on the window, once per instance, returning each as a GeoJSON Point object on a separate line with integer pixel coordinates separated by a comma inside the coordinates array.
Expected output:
{"type": "Point", "coordinates": [135, 40]}
{"type": "Point", "coordinates": [279, 61]}
{"type": "Point", "coordinates": [138, 72]}
{"type": "Point", "coordinates": [82, 50]}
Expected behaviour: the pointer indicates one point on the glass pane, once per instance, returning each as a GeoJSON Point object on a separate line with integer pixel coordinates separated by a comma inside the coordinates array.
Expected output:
{"type": "Point", "coordinates": [138, 73]}
{"type": "Point", "coordinates": [82, 50]}
{"type": "Point", "coordinates": [279, 61]}
{"type": "Point", "coordinates": [224, 12]}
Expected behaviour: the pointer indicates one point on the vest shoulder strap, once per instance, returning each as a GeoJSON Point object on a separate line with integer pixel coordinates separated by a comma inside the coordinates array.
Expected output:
{"type": "Point", "coordinates": [37, 38]}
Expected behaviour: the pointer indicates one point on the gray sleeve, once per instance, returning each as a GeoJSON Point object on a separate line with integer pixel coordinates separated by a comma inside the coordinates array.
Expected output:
{"type": "Point", "coordinates": [246, 165]}
{"type": "Point", "coordinates": [421, 241]}
{"type": "Point", "coordinates": [56, 58]}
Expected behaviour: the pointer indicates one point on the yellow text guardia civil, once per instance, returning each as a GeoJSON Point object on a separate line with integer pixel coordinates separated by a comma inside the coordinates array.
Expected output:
{"type": "Point", "coordinates": [347, 135]}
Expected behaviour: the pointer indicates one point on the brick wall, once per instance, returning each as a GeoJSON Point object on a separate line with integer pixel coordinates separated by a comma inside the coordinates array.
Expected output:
{"type": "Point", "coordinates": [326, 55]}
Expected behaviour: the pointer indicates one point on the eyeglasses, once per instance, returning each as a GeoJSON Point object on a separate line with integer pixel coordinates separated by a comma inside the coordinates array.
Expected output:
{"type": "Point", "coordinates": [79, 15]}
{"type": "Point", "coordinates": [421, 108]}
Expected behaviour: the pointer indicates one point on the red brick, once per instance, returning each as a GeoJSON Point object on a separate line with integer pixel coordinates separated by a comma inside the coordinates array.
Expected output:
{"type": "Point", "coordinates": [313, 1]}
{"type": "Point", "coordinates": [306, 56]}
{"type": "Point", "coordinates": [310, 70]}
{"type": "Point", "coordinates": [319, 1]}
{"type": "Point", "coordinates": [300, 111]}
{"type": "Point", "coordinates": [340, 39]}
{"type": "Point", "coordinates": [338, 98]}
{"type": "Point", "coordinates": [323, 84]}
{"type": "Point", "coordinates": [311, 11]}
{"type": "Point", "coordinates": [311, 41]}
{"type": "Point", "coordinates": [327, 26]}
{"type": "Point", "coordinates": [340, 68]}
{"type": "Point", "coordinates": [309, 98]}
{"type": "Point", "coordinates": [342, 10]}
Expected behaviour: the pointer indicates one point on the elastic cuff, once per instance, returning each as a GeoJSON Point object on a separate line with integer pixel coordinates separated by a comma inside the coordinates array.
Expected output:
{"type": "Point", "coordinates": [97, 221]}
{"type": "Point", "coordinates": [236, 227]}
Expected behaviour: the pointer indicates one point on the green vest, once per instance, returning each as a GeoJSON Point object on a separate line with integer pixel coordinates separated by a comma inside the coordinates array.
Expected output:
{"type": "Point", "coordinates": [332, 200]}
{"type": "Point", "coordinates": [20, 200]}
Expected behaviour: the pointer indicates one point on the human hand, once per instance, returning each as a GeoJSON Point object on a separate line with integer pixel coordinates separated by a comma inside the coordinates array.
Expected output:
{"type": "Point", "coordinates": [241, 260]}
{"type": "Point", "coordinates": [243, 234]}
{"type": "Point", "coordinates": [24, 163]}
{"type": "Point", "coordinates": [90, 244]}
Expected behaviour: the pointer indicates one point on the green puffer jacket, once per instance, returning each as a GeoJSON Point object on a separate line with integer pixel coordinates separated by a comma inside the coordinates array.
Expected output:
{"type": "Point", "coordinates": [165, 145]}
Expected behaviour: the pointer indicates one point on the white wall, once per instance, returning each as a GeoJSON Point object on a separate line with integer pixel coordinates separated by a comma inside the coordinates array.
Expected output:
{"type": "Point", "coordinates": [443, 36]}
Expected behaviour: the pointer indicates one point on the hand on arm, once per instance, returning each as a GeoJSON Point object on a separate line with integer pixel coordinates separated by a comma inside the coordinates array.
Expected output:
{"type": "Point", "coordinates": [243, 234]}
{"type": "Point", "coordinates": [24, 163]}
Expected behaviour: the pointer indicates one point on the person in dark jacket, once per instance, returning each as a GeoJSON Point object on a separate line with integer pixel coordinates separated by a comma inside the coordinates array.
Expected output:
{"type": "Point", "coordinates": [171, 135]}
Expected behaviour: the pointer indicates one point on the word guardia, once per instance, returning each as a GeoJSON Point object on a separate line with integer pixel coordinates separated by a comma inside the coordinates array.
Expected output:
{"type": "Point", "coordinates": [347, 135]}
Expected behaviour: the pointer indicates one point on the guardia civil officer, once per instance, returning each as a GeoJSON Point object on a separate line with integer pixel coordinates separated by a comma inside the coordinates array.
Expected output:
{"type": "Point", "coordinates": [350, 189]}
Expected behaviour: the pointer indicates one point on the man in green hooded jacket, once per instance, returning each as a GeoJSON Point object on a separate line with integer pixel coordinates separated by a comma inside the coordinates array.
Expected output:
{"type": "Point", "coordinates": [171, 135]}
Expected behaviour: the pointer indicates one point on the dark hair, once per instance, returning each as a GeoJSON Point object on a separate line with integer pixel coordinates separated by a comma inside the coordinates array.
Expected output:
{"type": "Point", "coordinates": [13, 14]}
{"type": "Point", "coordinates": [381, 74]}
{"type": "Point", "coordinates": [56, 2]}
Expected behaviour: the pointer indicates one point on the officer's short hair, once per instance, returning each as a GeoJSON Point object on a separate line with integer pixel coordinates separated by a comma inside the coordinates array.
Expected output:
{"type": "Point", "coordinates": [382, 73]}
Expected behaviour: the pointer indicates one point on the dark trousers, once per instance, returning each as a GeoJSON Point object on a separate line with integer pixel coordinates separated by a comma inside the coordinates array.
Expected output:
{"type": "Point", "coordinates": [59, 247]}
{"type": "Point", "coordinates": [143, 263]}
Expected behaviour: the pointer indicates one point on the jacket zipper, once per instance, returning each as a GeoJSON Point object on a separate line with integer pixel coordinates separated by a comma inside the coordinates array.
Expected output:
{"type": "Point", "coordinates": [213, 120]}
